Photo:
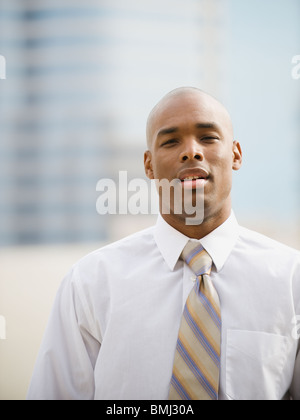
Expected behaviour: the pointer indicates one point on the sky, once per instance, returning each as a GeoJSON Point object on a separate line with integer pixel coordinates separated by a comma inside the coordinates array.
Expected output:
{"type": "Point", "coordinates": [82, 78]}
{"type": "Point", "coordinates": [264, 101]}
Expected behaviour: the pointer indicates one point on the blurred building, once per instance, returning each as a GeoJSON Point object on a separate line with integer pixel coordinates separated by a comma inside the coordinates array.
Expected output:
{"type": "Point", "coordinates": [81, 79]}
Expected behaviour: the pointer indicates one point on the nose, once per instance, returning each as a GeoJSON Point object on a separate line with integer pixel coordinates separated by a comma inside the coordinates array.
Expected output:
{"type": "Point", "coordinates": [192, 151]}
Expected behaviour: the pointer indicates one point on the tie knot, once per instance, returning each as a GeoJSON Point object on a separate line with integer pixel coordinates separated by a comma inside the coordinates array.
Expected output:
{"type": "Point", "coordinates": [197, 258]}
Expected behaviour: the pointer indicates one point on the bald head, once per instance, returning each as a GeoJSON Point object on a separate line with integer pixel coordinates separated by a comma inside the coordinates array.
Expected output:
{"type": "Point", "coordinates": [174, 102]}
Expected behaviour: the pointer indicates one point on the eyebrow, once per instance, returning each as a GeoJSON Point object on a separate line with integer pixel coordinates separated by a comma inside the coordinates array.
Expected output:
{"type": "Point", "coordinates": [212, 125]}
{"type": "Point", "coordinates": [166, 131]}
{"type": "Point", "coordinates": [172, 130]}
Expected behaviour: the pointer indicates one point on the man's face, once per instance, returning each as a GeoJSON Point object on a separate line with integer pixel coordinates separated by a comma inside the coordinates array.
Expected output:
{"type": "Point", "coordinates": [191, 136]}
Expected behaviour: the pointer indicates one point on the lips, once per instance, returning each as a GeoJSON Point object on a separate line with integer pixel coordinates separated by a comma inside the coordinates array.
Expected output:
{"type": "Point", "coordinates": [193, 178]}
{"type": "Point", "coordinates": [193, 174]}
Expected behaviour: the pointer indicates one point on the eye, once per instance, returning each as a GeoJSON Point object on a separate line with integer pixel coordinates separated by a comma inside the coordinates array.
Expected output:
{"type": "Point", "coordinates": [169, 142]}
{"type": "Point", "coordinates": [210, 139]}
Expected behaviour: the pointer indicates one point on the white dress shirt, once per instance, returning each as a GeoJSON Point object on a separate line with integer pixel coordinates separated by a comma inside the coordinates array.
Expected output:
{"type": "Point", "coordinates": [113, 329]}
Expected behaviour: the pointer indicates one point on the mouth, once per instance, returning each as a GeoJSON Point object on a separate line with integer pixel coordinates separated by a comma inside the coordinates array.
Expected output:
{"type": "Point", "coordinates": [193, 178]}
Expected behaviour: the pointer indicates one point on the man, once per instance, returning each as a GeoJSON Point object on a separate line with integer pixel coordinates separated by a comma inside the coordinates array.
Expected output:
{"type": "Point", "coordinates": [118, 329]}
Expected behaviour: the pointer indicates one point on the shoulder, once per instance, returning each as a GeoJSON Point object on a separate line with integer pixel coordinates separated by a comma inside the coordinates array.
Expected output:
{"type": "Point", "coordinates": [117, 254]}
{"type": "Point", "coordinates": [254, 241]}
{"type": "Point", "coordinates": [93, 276]}
{"type": "Point", "coordinates": [132, 243]}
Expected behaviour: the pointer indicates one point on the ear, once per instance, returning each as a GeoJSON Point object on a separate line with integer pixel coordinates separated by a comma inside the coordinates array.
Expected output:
{"type": "Point", "coordinates": [148, 164]}
{"type": "Point", "coordinates": [237, 156]}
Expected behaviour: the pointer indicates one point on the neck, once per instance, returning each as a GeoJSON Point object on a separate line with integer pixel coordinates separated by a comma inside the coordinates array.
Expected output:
{"type": "Point", "coordinates": [209, 224]}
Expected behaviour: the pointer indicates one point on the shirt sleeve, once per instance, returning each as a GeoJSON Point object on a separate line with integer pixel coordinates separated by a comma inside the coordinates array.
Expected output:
{"type": "Point", "coordinates": [64, 369]}
{"type": "Point", "coordinates": [295, 388]}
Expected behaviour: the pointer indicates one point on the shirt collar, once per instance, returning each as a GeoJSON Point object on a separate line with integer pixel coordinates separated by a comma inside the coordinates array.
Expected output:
{"type": "Point", "coordinates": [218, 243]}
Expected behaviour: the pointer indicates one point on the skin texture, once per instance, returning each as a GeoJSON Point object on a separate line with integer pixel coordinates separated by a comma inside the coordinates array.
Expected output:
{"type": "Point", "coordinates": [190, 131]}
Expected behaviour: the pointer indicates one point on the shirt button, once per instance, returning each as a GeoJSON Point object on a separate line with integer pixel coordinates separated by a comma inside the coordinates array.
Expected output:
{"type": "Point", "coordinates": [193, 278]}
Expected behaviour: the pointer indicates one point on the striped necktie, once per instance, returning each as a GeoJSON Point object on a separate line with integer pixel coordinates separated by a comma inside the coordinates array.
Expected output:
{"type": "Point", "coordinates": [197, 357]}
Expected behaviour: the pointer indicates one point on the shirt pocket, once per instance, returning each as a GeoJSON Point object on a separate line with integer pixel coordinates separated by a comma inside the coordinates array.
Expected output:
{"type": "Point", "coordinates": [254, 365]}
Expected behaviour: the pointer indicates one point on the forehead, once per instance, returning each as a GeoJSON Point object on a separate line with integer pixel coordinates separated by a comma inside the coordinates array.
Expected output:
{"type": "Point", "coordinates": [188, 109]}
